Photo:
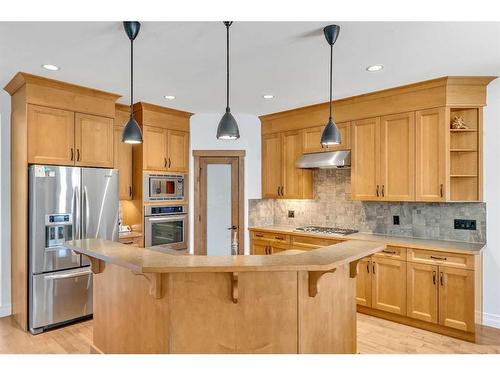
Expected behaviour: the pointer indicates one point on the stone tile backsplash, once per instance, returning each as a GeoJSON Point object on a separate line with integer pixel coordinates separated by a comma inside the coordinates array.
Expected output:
{"type": "Point", "coordinates": [332, 206]}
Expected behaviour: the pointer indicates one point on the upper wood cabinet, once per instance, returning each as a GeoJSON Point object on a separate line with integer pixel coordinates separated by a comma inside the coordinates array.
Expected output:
{"type": "Point", "coordinates": [94, 141]}
{"type": "Point", "coordinates": [312, 139]}
{"type": "Point", "coordinates": [365, 159]}
{"type": "Point", "coordinates": [177, 151]}
{"type": "Point", "coordinates": [154, 148]}
{"type": "Point", "coordinates": [431, 158]}
{"type": "Point", "coordinates": [51, 136]}
{"type": "Point", "coordinates": [123, 163]}
{"type": "Point", "coordinates": [280, 177]}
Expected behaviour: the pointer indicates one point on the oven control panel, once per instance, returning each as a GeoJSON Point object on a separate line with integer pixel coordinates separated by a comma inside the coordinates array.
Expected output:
{"type": "Point", "coordinates": [164, 210]}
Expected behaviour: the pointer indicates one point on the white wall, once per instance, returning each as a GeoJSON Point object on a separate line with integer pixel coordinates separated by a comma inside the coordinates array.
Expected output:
{"type": "Point", "coordinates": [4, 203]}
{"type": "Point", "coordinates": [203, 127]}
{"type": "Point", "coordinates": [491, 259]}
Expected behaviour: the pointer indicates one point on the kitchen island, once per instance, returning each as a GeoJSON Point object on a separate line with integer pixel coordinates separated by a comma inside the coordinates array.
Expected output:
{"type": "Point", "coordinates": [295, 302]}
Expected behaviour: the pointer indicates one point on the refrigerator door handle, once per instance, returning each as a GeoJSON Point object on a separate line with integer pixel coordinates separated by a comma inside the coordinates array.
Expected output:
{"type": "Point", "coordinates": [85, 215]}
{"type": "Point", "coordinates": [76, 214]}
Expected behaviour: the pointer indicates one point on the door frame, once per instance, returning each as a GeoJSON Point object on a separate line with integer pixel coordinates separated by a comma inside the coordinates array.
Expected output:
{"type": "Point", "coordinates": [199, 211]}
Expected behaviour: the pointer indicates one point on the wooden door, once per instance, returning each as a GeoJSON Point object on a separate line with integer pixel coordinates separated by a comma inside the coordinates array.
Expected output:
{"type": "Point", "coordinates": [456, 298]}
{"type": "Point", "coordinates": [364, 283]}
{"type": "Point", "coordinates": [431, 158]}
{"type": "Point", "coordinates": [422, 292]}
{"type": "Point", "coordinates": [292, 176]}
{"type": "Point", "coordinates": [271, 165]}
{"type": "Point", "coordinates": [259, 247]}
{"type": "Point", "coordinates": [312, 139]}
{"type": "Point", "coordinates": [178, 151]}
{"type": "Point", "coordinates": [397, 157]}
{"type": "Point", "coordinates": [366, 159]}
{"type": "Point", "coordinates": [389, 285]}
{"type": "Point", "coordinates": [154, 148]}
{"type": "Point", "coordinates": [123, 162]}
{"type": "Point", "coordinates": [94, 140]}
{"type": "Point", "coordinates": [51, 136]}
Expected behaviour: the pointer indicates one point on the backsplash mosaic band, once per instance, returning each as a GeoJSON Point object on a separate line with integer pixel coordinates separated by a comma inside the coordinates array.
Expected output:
{"type": "Point", "coordinates": [332, 206]}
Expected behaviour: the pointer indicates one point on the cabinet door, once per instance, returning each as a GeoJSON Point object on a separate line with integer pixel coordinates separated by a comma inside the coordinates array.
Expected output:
{"type": "Point", "coordinates": [431, 161]}
{"type": "Point", "coordinates": [271, 165]}
{"type": "Point", "coordinates": [422, 292]}
{"type": "Point", "coordinates": [397, 157]}
{"type": "Point", "coordinates": [94, 140]}
{"type": "Point", "coordinates": [154, 148]}
{"type": "Point", "coordinates": [364, 283]}
{"type": "Point", "coordinates": [259, 247]}
{"type": "Point", "coordinates": [276, 247]}
{"type": "Point", "coordinates": [312, 139]}
{"type": "Point", "coordinates": [292, 176]}
{"type": "Point", "coordinates": [366, 159]}
{"type": "Point", "coordinates": [123, 162]}
{"type": "Point", "coordinates": [389, 285]}
{"type": "Point", "coordinates": [51, 136]}
{"type": "Point", "coordinates": [178, 151]}
{"type": "Point", "coordinates": [456, 298]}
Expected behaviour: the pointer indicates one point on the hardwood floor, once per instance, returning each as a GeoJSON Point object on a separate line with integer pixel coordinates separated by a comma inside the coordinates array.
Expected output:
{"type": "Point", "coordinates": [375, 336]}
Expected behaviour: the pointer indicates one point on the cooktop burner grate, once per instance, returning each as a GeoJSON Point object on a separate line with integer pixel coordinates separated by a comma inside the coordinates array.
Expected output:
{"type": "Point", "coordinates": [326, 230]}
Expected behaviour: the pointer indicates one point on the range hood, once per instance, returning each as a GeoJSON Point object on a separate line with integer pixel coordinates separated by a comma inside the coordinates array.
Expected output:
{"type": "Point", "coordinates": [324, 160]}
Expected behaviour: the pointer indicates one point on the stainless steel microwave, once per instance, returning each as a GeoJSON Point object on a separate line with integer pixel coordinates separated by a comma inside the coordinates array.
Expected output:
{"type": "Point", "coordinates": [163, 187]}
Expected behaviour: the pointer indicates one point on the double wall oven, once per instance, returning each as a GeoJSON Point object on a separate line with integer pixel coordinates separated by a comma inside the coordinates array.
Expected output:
{"type": "Point", "coordinates": [166, 227]}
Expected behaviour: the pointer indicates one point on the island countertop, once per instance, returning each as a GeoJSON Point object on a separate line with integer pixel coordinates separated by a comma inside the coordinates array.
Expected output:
{"type": "Point", "coordinates": [151, 261]}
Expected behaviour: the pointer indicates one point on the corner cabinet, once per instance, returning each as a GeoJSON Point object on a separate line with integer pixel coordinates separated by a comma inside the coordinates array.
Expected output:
{"type": "Point", "coordinates": [280, 177]}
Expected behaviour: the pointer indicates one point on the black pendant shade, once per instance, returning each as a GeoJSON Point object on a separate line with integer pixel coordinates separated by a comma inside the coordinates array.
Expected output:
{"type": "Point", "coordinates": [132, 131]}
{"type": "Point", "coordinates": [331, 134]}
{"type": "Point", "coordinates": [228, 127]}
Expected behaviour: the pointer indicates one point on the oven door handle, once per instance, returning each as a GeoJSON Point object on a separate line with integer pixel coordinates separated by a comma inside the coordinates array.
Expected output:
{"type": "Point", "coordinates": [165, 218]}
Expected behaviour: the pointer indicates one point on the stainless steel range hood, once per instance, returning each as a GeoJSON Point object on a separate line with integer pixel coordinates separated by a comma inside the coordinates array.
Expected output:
{"type": "Point", "coordinates": [324, 160]}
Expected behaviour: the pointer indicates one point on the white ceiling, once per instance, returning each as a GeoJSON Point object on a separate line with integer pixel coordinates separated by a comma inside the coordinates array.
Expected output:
{"type": "Point", "coordinates": [287, 59]}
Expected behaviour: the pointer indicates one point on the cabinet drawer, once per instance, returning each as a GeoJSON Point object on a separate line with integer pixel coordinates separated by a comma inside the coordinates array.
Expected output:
{"type": "Point", "coordinates": [392, 252]}
{"type": "Point", "coordinates": [275, 237]}
{"type": "Point", "coordinates": [441, 258]}
{"type": "Point", "coordinates": [313, 242]}
{"type": "Point", "coordinates": [134, 241]}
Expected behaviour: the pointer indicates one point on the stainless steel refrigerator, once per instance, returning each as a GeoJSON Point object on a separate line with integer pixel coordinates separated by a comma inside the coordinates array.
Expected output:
{"type": "Point", "coordinates": [66, 203]}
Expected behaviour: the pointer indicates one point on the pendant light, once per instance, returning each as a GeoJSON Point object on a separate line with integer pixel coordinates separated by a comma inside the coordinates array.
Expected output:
{"type": "Point", "coordinates": [228, 128]}
{"type": "Point", "coordinates": [132, 132]}
{"type": "Point", "coordinates": [331, 134]}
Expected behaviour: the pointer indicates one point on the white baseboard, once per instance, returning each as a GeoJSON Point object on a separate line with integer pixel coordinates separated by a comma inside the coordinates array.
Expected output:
{"type": "Point", "coordinates": [5, 310]}
{"type": "Point", "coordinates": [491, 320]}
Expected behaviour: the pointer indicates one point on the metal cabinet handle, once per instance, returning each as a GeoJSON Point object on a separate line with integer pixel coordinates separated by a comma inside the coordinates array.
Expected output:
{"type": "Point", "coordinates": [130, 191]}
{"type": "Point", "coordinates": [434, 277]}
{"type": "Point", "coordinates": [441, 190]}
{"type": "Point", "coordinates": [165, 162]}
{"type": "Point", "coordinates": [279, 238]}
{"type": "Point", "coordinates": [282, 191]}
{"type": "Point", "coordinates": [169, 162]}
{"type": "Point", "coordinates": [128, 243]}
{"type": "Point", "coordinates": [368, 267]}
{"type": "Point", "coordinates": [377, 191]}
{"type": "Point", "coordinates": [278, 190]}
{"type": "Point", "coordinates": [441, 281]}
{"type": "Point", "coordinates": [77, 154]}
{"type": "Point", "coordinates": [259, 235]}
{"type": "Point", "coordinates": [389, 252]}
{"type": "Point", "coordinates": [383, 193]}
{"type": "Point", "coordinates": [373, 268]}
{"type": "Point", "coordinates": [270, 249]}
{"type": "Point", "coordinates": [437, 258]}
{"type": "Point", "coordinates": [72, 154]}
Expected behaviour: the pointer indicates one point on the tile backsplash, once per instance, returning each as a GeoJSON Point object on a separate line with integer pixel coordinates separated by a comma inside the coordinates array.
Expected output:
{"type": "Point", "coordinates": [332, 206]}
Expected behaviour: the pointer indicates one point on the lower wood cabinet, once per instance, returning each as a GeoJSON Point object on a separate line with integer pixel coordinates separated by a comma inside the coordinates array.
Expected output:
{"type": "Point", "coordinates": [364, 283]}
{"type": "Point", "coordinates": [388, 285]}
{"type": "Point", "coordinates": [422, 292]}
{"type": "Point", "coordinates": [266, 243]}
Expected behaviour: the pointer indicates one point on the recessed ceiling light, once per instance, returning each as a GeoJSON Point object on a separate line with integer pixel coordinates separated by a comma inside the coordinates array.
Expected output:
{"type": "Point", "coordinates": [170, 97]}
{"type": "Point", "coordinates": [50, 67]}
{"type": "Point", "coordinates": [374, 68]}
{"type": "Point", "coordinates": [268, 96]}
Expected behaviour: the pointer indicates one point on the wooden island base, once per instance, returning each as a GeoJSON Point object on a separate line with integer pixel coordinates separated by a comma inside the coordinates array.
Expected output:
{"type": "Point", "coordinates": [149, 302]}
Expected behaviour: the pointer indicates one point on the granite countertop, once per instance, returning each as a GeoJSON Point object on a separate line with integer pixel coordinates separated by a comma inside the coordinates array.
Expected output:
{"type": "Point", "coordinates": [416, 243]}
{"type": "Point", "coordinates": [147, 260]}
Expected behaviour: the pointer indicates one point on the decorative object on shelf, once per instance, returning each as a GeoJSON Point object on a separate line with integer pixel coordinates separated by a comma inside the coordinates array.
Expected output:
{"type": "Point", "coordinates": [331, 134]}
{"type": "Point", "coordinates": [132, 132]}
{"type": "Point", "coordinates": [458, 123]}
{"type": "Point", "coordinates": [228, 128]}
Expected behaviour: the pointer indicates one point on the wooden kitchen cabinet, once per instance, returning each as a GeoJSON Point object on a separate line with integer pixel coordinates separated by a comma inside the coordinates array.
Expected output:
{"type": "Point", "coordinates": [389, 285]}
{"type": "Point", "coordinates": [431, 163]}
{"type": "Point", "coordinates": [366, 159]}
{"type": "Point", "coordinates": [397, 157]}
{"type": "Point", "coordinates": [312, 139]}
{"type": "Point", "coordinates": [280, 177]}
{"type": "Point", "coordinates": [422, 292]}
{"type": "Point", "coordinates": [266, 243]}
{"type": "Point", "coordinates": [51, 136]}
{"type": "Point", "coordinates": [154, 148]}
{"type": "Point", "coordinates": [260, 247]}
{"type": "Point", "coordinates": [94, 140]}
{"type": "Point", "coordinates": [456, 298]}
{"type": "Point", "coordinates": [123, 163]}
{"type": "Point", "coordinates": [177, 151]}
{"type": "Point", "coordinates": [364, 283]}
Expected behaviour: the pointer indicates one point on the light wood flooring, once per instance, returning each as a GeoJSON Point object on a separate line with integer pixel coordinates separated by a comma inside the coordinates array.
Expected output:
{"type": "Point", "coordinates": [375, 336]}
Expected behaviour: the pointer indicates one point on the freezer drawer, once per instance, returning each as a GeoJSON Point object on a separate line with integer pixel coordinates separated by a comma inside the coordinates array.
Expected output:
{"type": "Point", "coordinates": [60, 296]}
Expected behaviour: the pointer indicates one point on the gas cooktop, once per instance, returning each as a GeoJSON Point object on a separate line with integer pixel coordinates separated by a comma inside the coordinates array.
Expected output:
{"type": "Point", "coordinates": [326, 230]}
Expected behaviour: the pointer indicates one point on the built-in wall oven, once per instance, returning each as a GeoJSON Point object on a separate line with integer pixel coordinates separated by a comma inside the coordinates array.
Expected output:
{"type": "Point", "coordinates": [163, 187]}
{"type": "Point", "coordinates": [166, 227]}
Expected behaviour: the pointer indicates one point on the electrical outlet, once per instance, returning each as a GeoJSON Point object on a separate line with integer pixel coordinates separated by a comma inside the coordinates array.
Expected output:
{"type": "Point", "coordinates": [291, 213]}
{"type": "Point", "coordinates": [395, 219]}
{"type": "Point", "coordinates": [465, 224]}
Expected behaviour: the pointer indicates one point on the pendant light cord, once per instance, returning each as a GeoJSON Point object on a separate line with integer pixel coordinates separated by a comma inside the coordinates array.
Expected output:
{"type": "Point", "coordinates": [227, 65]}
{"type": "Point", "coordinates": [131, 77]}
{"type": "Point", "coordinates": [331, 79]}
